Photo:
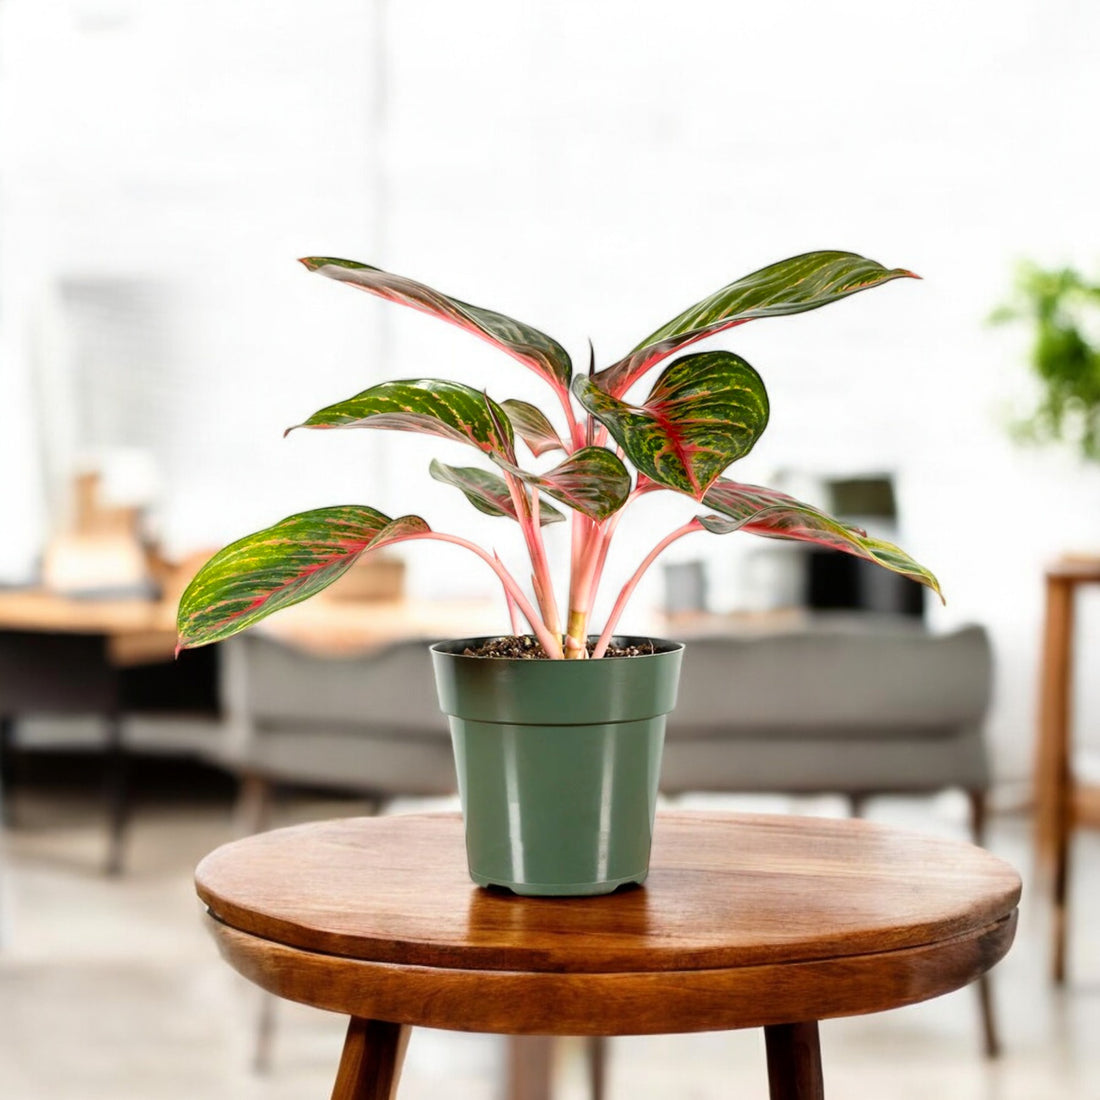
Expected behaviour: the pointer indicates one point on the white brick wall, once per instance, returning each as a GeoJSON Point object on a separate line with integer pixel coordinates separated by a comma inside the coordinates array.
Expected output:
{"type": "Point", "coordinates": [591, 168]}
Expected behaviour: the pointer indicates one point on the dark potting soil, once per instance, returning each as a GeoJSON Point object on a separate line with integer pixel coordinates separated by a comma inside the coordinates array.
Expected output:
{"type": "Point", "coordinates": [529, 648]}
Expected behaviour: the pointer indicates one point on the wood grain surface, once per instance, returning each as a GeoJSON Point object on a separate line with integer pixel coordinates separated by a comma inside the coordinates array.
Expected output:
{"type": "Point", "coordinates": [370, 1065]}
{"type": "Point", "coordinates": [794, 1062]}
{"type": "Point", "coordinates": [725, 891]}
{"type": "Point", "coordinates": [619, 1003]}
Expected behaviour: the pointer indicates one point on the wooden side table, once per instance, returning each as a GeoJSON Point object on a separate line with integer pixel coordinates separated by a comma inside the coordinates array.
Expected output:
{"type": "Point", "coordinates": [1061, 802]}
{"type": "Point", "coordinates": [745, 921]}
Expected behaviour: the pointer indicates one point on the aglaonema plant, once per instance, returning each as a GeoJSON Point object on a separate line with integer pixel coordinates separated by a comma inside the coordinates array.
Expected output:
{"type": "Point", "coordinates": [704, 411]}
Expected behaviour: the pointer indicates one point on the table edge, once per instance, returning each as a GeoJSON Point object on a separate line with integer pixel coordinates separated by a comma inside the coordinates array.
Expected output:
{"type": "Point", "coordinates": [616, 1003]}
{"type": "Point", "coordinates": [430, 953]}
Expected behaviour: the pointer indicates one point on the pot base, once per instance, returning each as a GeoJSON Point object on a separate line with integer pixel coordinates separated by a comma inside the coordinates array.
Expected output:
{"type": "Point", "coordinates": [561, 889]}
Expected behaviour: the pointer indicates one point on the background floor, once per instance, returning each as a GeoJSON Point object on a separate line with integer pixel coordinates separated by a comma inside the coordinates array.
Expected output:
{"type": "Point", "coordinates": [111, 988]}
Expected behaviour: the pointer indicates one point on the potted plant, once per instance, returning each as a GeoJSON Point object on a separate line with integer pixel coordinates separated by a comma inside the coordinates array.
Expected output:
{"type": "Point", "coordinates": [558, 730]}
{"type": "Point", "coordinates": [1059, 304]}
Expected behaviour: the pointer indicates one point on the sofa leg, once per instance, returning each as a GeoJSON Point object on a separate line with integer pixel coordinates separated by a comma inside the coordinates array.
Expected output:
{"type": "Point", "coordinates": [977, 816]}
{"type": "Point", "coordinates": [252, 812]}
{"type": "Point", "coordinates": [857, 803]}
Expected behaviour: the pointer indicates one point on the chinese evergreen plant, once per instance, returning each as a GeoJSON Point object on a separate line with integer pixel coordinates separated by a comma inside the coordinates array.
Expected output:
{"type": "Point", "coordinates": [704, 411]}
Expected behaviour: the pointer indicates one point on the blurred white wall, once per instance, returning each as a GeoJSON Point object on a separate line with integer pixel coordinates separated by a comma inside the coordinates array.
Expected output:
{"type": "Point", "coordinates": [590, 168]}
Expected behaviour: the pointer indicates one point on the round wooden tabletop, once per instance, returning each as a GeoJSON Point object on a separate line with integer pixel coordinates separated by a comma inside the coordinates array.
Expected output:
{"type": "Point", "coordinates": [745, 920]}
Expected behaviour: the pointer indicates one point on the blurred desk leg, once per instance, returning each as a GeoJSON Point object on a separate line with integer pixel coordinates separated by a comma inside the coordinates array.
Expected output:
{"type": "Point", "coordinates": [1059, 803]}
{"type": "Point", "coordinates": [7, 759]}
{"type": "Point", "coordinates": [44, 672]}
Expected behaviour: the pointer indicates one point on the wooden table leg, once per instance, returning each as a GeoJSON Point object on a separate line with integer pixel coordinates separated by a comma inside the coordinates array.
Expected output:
{"type": "Point", "coordinates": [530, 1059]}
{"type": "Point", "coordinates": [370, 1065]}
{"type": "Point", "coordinates": [794, 1062]}
{"type": "Point", "coordinates": [1053, 774]}
{"type": "Point", "coordinates": [1061, 917]}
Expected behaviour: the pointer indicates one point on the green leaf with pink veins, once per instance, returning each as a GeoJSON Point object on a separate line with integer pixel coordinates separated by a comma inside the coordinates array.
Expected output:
{"type": "Point", "coordinates": [794, 285]}
{"type": "Point", "coordinates": [541, 353]}
{"type": "Point", "coordinates": [487, 492]}
{"type": "Point", "coordinates": [592, 481]}
{"type": "Point", "coordinates": [532, 426]}
{"type": "Point", "coordinates": [426, 405]}
{"type": "Point", "coordinates": [767, 512]}
{"type": "Point", "coordinates": [282, 565]}
{"type": "Point", "coordinates": [704, 412]}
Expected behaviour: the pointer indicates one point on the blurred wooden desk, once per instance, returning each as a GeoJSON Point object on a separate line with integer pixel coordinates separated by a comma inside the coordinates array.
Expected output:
{"type": "Point", "coordinates": [342, 627]}
{"type": "Point", "coordinates": [142, 631]}
{"type": "Point", "coordinates": [1061, 803]}
{"type": "Point", "coordinates": [61, 656]}
{"type": "Point", "coordinates": [137, 629]}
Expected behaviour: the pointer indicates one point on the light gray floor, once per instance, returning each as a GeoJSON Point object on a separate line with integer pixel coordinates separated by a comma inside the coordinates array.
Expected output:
{"type": "Point", "coordinates": [110, 988]}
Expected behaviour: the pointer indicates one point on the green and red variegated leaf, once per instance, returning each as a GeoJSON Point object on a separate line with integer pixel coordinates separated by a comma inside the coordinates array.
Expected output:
{"type": "Point", "coordinates": [705, 411]}
{"type": "Point", "coordinates": [795, 285]}
{"type": "Point", "coordinates": [487, 492]}
{"type": "Point", "coordinates": [766, 512]}
{"type": "Point", "coordinates": [280, 566]}
{"type": "Point", "coordinates": [532, 427]}
{"type": "Point", "coordinates": [592, 481]}
{"type": "Point", "coordinates": [531, 347]}
{"type": "Point", "coordinates": [427, 405]}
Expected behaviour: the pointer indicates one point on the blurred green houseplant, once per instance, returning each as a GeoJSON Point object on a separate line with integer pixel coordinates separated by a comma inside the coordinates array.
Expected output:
{"type": "Point", "coordinates": [705, 411]}
{"type": "Point", "coordinates": [1059, 304]}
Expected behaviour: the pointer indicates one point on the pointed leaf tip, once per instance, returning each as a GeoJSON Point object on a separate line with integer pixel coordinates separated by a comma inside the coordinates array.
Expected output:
{"type": "Point", "coordinates": [791, 286]}
{"type": "Point", "coordinates": [761, 511]}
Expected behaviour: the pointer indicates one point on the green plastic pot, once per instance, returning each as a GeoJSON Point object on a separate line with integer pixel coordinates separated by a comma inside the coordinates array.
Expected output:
{"type": "Point", "coordinates": [558, 764]}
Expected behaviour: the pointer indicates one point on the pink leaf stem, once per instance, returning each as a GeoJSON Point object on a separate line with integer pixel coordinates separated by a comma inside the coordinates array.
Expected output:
{"type": "Point", "coordinates": [576, 430]}
{"type": "Point", "coordinates": [550, 644]}
{"type": "Point", "coordinates": [513, 611]}
{"type": "Point", "coordinates": [532, 535]}
{"type": "Point", "coordinates": [628, 588]}
{"type": "Point", "coordinates": [607, 531]}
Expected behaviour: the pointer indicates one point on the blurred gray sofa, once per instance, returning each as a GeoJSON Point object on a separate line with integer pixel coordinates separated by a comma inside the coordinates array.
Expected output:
{"type": "Point", "coordinates": [856, 705]}
{"type": "Point", "coordinates": [369, 722]}
{"type": "Point", "coordinates": [852, 704]}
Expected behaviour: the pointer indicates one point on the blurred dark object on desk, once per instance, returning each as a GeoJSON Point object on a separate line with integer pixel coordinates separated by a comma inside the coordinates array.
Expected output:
{"type": "Point", "coordinates": [835, 581]}
{"type": "Point", "coordinates": [839, 582]}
